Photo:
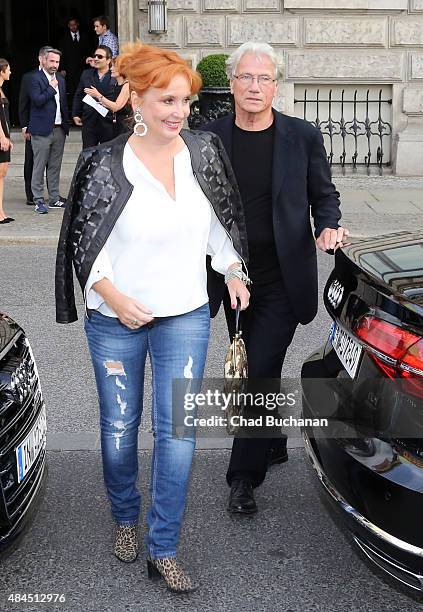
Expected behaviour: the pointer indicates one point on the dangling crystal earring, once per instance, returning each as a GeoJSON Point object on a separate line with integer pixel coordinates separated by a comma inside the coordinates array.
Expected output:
{"type": "Point", "coordinates": [140, 127]}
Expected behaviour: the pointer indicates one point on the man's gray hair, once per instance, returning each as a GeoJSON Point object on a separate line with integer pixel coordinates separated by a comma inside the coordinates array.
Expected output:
{"type": "Point", "coordinates": [256, 48]}
{"type": "Point", "coordinates": [43, 52]}
{"type": "Point", "coordinates": [55, 51]}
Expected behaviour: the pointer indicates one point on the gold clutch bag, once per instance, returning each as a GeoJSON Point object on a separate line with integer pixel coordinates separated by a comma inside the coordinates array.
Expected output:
{"type": "Point", "coordinates": [236, 375]}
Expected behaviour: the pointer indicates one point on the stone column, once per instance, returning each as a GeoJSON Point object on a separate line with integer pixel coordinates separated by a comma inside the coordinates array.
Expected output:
{"type": "Point", "coordinates": [408, 144]}
{"type": "Point", "coordinates": [284, 100]}
{"type": "Point", "coordinates": [126, 21]}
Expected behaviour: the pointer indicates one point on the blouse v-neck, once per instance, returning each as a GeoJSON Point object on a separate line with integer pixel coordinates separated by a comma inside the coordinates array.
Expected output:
{"type": "Point", "coordinates": [150, 176]}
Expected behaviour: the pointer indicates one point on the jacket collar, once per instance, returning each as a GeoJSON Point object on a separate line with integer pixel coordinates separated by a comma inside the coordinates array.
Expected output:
{"type": "Point", "coordinates": [282, 144]}
{"type": "Point", "coordinates": [282, 151]}
{"type": "Point", "coordinates": [226, 135]}
{"type": "Point", "coordinates": [117, 160]}
{"type": "Point", "coordinates": [43, 76]}
{"type": "Point", "coordinates": [193, 145]}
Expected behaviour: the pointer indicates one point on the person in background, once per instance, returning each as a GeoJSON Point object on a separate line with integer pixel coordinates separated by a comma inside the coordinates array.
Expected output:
{"type": "Point", "coordinates": [6, 144]}
{"type": "Point", "coordinates": [283, 174]}
{"type": "Point", "coordinates": [105, 36]}
{"type": "Point", "coordinates": [48, 126]}
{"type": "Point", "coordinates": [75, 48]}
{"type": "Point", "coordinates": [165, 197]}
{"type": "Point", "coordinates": [95, 127]}
{"type": "Point", "coordinates": [119, 105]}
{"type": "Point", "coordinates": [24, 108]}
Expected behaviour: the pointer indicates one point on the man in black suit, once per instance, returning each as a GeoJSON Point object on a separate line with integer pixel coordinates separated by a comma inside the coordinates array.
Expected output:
{"type": "Point", "coordinates": [24, 108]}
{"type": "Point", "coordinates": [283, 174]}
{"type": "Point", "coordinates": [95, 127]}
{"type": "Point", "coordinates": [75, 48]}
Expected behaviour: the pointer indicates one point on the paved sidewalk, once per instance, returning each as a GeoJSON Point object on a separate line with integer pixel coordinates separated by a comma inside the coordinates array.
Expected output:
{"type": "Point", "coordinates": [370, 206]}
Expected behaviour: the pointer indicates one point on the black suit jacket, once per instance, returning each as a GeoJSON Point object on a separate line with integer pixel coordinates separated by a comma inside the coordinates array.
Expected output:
{"type": "Point", "coordinates": [107, 87]}
{"type": "Point", "coordinates": [24, 99]}
{"type": "Point", "coordinates": [74, 56]}
{"type": "Point", "coordinates": [301, 184]}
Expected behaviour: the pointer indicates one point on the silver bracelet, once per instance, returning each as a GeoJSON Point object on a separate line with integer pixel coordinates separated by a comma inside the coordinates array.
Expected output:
{"type": "Point", "coordinates": [237, 273]}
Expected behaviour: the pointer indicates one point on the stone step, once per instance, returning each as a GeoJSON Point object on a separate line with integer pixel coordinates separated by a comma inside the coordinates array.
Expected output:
{"type": "Point", "coordinates": [71, 148]}
{"type": "Point", "coordinates": [74, 135]}
{"type": "Point", "coordinates": [67, 169]}
{"type": "Point", "coordinates": [18, 160]}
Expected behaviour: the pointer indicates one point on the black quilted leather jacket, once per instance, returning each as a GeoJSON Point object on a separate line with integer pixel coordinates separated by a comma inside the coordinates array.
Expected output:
{"type": "Point", "coordinates": [100, 190]}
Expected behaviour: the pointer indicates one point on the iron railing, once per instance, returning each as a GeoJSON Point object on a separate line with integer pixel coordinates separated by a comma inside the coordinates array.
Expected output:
{"type": "Point", "coordinates": [346, 134]}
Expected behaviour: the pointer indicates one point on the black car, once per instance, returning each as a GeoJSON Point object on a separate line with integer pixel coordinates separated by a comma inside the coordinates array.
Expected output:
{"type": "Point", "coordinates": [22, 433]}
{"type": "Point", "coordinates": [364, 390]}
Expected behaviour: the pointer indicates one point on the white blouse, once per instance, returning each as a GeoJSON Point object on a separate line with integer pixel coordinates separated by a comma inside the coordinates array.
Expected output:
{"type": "Point", "coordinates": [156, 252]}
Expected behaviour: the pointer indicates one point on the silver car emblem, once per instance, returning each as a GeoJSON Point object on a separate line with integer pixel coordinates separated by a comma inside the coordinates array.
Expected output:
{"type": "Point", "coordinates": [23, 378]}
{"type": "Point", "coordinates": [335, 293]}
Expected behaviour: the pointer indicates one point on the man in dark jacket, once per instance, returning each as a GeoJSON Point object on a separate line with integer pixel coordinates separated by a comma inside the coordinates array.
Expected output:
{"type": "Point", "coordinates": [282, 171]}
{"type": "Point", "coordinates": [24, 108]}
{"type": "Point", "coordinates": [48, 126]}
{"type": "Point", "coordinates": [95, 128]}
{"type": "Point", "coordinates": [75, 46]}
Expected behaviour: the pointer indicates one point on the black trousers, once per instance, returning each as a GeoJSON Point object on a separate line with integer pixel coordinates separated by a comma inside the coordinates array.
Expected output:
{"type": "Point", "coordinates": [268, 326]}
{"type": "Point", "coordinates": [28, 165]}
{"type": "Point", "coordinates": [96, 130]}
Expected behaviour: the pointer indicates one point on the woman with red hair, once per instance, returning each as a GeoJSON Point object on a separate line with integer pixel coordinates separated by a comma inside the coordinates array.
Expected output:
{"type": "Point", "coordinates": [144, 211]}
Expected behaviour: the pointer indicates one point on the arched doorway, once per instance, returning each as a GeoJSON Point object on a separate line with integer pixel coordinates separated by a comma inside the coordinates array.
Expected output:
{"type": "Point", "coordinates": [25, 26]}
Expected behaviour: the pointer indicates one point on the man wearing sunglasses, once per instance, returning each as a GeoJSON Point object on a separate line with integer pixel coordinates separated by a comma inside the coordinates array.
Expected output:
{"type": "Point", "coordinates": [95, 127]}
{"type": "Point", "coordinates": [283, 175]}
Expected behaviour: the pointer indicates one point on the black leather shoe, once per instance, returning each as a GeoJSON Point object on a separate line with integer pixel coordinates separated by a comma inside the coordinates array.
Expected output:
{"type": "Point", "coordinates": [241, 498]}
{"type": "Point", "coordinates": [277, 456]}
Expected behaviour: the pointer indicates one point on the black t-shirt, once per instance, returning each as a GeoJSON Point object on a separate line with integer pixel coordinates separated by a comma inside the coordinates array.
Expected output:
{"type": "Point", "coordinates": [252, 156]}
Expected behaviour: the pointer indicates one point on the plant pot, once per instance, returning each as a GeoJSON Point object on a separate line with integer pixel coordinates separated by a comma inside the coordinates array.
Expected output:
{"type": "Point", "coordinates": [212, 103]}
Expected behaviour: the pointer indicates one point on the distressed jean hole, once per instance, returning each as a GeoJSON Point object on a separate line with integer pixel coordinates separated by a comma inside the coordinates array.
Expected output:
{"type": "Point", "coordinates": [114, 368]}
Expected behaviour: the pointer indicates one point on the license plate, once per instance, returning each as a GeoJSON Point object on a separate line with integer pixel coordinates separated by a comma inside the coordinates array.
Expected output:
{"type": "Point", "coordinates": [346, 347]}
{"type": "Point", "coordinates": [30, 448]}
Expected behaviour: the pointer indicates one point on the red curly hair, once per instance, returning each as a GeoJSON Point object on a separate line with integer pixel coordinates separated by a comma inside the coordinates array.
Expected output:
{"type": "Point", "coordinates": [146, 66]}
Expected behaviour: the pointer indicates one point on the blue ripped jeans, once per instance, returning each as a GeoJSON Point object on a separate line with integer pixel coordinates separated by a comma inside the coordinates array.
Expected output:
{"type": "Point", "coordinates": [177, 347]}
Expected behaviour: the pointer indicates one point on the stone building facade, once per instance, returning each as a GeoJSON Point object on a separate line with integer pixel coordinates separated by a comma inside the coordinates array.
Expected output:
{"type": "Point", "coordinates": [326, 44]}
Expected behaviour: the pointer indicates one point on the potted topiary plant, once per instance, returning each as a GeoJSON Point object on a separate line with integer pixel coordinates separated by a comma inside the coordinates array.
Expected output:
{"type": "Point", "coordinates": [214, 98]}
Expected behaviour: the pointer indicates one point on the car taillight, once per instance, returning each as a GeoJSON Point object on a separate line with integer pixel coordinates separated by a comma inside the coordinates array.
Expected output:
{"type": "Point", "coordinates": [412, 362]}
{"type": "Point", "coordinates": [389, 339]}
{"type": "Point", "coordinates": [398, 352]}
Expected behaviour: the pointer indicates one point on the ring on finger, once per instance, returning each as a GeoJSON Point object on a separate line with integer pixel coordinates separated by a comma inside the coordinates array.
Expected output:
{"type": "Point", "coordinates": [135, 322]}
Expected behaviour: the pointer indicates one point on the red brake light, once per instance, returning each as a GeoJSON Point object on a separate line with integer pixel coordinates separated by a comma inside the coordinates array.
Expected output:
{"type": "Point", "coordinates": [411, 368]}
{"type": "Point", "coordinates": [398, 352]}
{"type": "Point", "coordinates": [413, 359]}
{"type": "Point", "coordinates": [385, 337]}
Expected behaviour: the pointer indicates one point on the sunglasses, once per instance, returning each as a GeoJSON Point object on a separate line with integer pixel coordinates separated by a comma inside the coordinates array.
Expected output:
{"type": "Point", "coordinates": [98, 56]}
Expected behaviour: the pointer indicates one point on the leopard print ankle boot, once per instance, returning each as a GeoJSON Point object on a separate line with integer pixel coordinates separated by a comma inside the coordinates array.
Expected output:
{"type": "Point", "coordinates": [169, 569]}
{"type": "Point", "coordinates": [126, 543]}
